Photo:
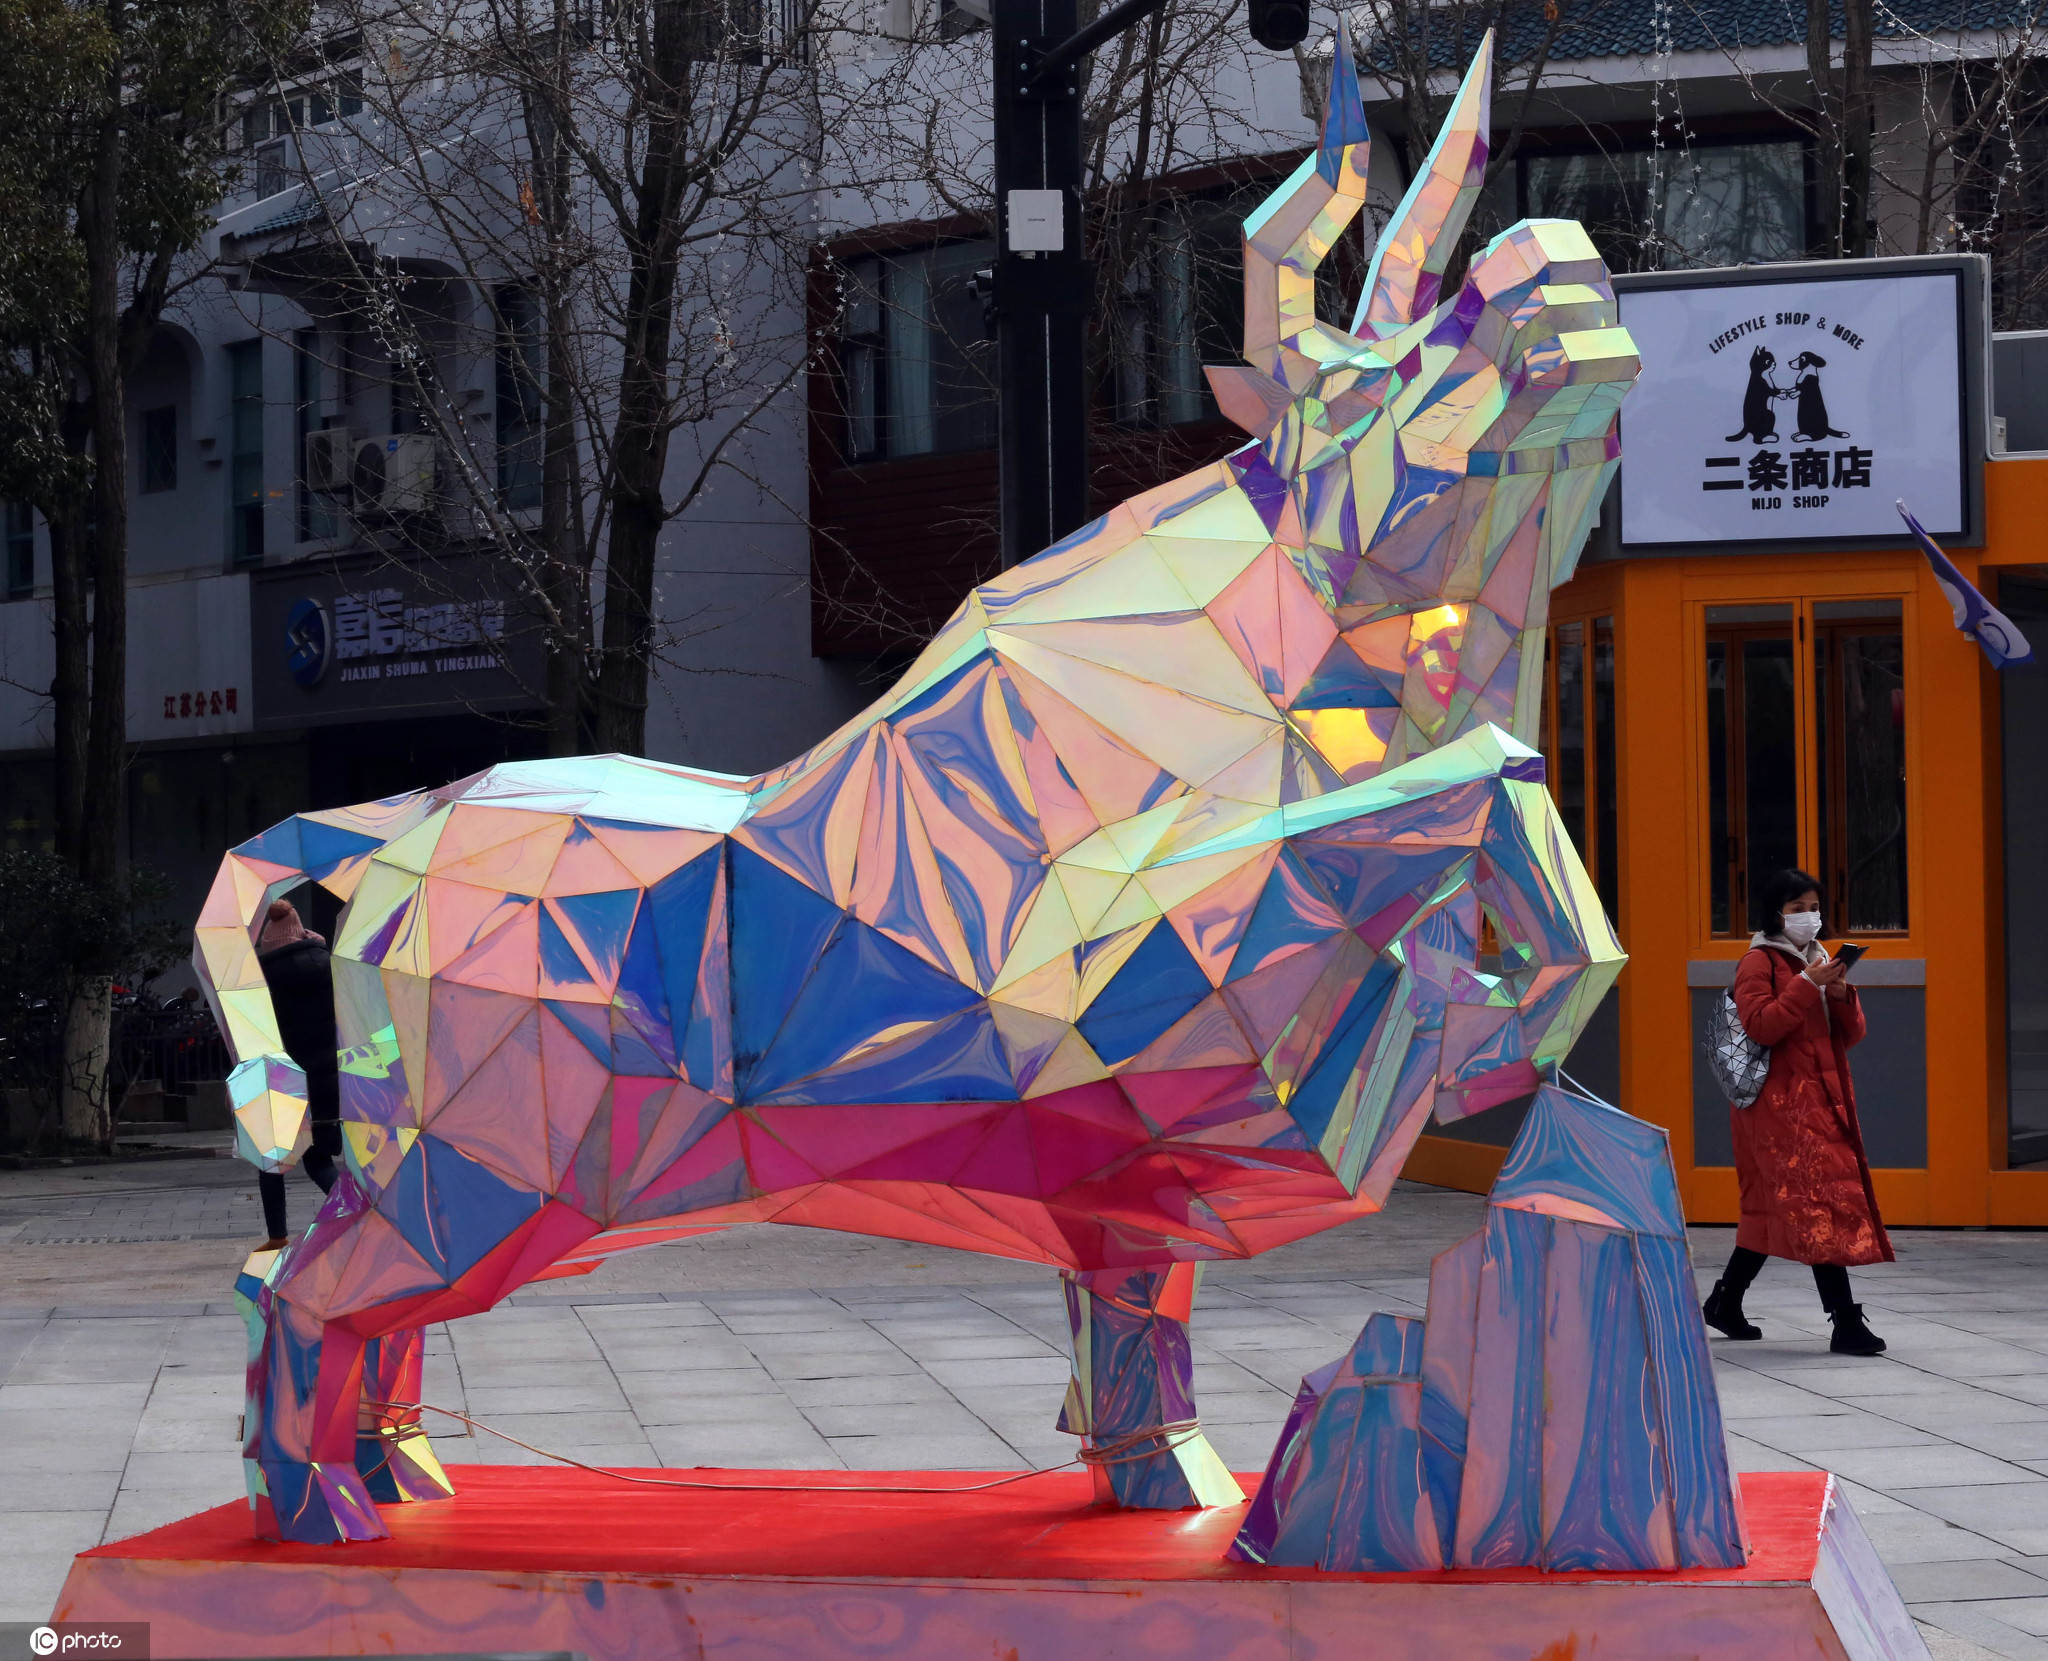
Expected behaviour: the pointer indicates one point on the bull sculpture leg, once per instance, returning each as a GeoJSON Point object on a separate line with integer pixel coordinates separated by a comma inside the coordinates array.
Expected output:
{"type": "Point", "coordinates": [332, 1425]}
{"type": "Point", "coordinates": [299, 1446]}
{"type": "Point", "coordinates": [392, 1451]}
{"type": "Point", "coordinates": [1132, 1398]}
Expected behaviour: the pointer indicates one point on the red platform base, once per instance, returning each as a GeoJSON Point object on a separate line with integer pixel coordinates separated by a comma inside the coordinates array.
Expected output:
{"type": "Point", "coordinates": [797, 1567]}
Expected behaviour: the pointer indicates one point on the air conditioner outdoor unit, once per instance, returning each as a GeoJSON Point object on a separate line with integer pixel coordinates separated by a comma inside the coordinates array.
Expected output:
{"type": "Point", "coordinates": [394, 474]}
{"type": "Point", "coordinates": [330, 458]}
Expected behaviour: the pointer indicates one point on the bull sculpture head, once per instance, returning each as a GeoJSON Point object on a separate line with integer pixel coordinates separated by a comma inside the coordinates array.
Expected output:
{"type": "Point", "coordinates": [1139, 924]}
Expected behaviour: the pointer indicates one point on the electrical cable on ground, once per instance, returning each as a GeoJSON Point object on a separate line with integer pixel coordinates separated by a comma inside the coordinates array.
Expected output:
{"type": "Point", "coordinates": [1118, 1452]}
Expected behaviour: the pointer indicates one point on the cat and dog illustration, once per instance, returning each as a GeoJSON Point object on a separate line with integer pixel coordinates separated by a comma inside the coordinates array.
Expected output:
{"type": "Point", "coordinates": [1760, 399]}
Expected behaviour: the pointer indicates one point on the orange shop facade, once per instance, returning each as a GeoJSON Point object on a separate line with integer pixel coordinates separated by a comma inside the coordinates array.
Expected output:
{"type": "Point", "coordinates": [1733, 688]}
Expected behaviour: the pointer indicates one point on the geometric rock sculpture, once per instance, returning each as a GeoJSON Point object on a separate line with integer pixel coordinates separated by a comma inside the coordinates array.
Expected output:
{"type": "Point", "coordinates": [1556, 1410]}
{"type": "Point", "coordinates": [1354, 1484]}
{"type": "Point", "coordinates": [1148, 919]}
{"type": "Point", "coordinates": [273, 1126]}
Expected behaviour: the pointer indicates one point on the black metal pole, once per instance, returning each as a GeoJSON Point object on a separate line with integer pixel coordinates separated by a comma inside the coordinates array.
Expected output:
{"type": "Point", "coordinates": [1042, 280]}
{"type": "Point", "coordinates": [1106, 27]}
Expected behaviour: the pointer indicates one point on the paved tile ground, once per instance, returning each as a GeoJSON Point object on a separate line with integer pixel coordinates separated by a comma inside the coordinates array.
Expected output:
{"type": "Point", "coordinates": [120, 1372]}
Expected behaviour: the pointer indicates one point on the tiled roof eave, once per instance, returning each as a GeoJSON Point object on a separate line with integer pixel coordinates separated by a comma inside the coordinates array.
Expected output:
{"type": "Point", "coordinates": [1631, 29]}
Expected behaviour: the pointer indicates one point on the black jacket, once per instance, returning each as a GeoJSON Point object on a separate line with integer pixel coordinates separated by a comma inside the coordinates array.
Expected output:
{"type": "Point", "coordinates": [302, 992]}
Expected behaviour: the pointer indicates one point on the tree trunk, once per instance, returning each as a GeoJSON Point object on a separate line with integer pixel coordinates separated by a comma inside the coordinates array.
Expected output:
{"type": "Point", "coordinates": [100, 797]}
{"type": "Point", "coordinates": [641, 448]}
{"type": "Point", "coordinates": [88, 1034]}
{"type": "Point", "coordinates": [1827, 136]}
{"type": "Point", "coordinates": [1857, 128]}
{"type": "Point", "coordinates": [70, 689]}
{"type": "Point", "coordinates": [637, 519]}
{"type": "Point", "coordinates": [107, 728]}
{"type": "Point", "coordinates": [565, 572]}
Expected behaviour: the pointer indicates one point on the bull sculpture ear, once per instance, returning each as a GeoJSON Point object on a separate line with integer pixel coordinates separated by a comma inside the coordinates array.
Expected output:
{"type": "Point", "coordinates": [1406, 276]}
{"type": "Point", "coordinates": [1284, 242]}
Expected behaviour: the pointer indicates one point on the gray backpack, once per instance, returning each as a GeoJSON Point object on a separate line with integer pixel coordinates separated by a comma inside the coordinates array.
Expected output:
{"type": "Point", "coordinates": [1740, 1064]}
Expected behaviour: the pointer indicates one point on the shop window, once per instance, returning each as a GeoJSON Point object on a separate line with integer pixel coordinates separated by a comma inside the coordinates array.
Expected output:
{"type": "Point", "coordinates": [1567, 746]}
{"type": "Point", "coordinates": [316, 516]}
{"type": "Point", "coordinates": [1706, 204]}
{"type": "Point", "coordinates": [1752, 765]}
{"type": "Point", "coordinates": [28, 804]}
{"type": "Point", "coordinates": [2023, 731]}
{"type": "Point", "coordinates": [1578, 739]}
{"type": "Point", "coordinates": [245, 452]}
{"type": "Point", "coordinates": [275, 172]}
{"type": "Point", "coordinates": [1859, 671]}
{"type": "Point", "coordinates": [737, 30]}
{"type": "Point", "coordinates": [522, 367]}
{"type": "Point", "coordinates": [21, 550]}
{"type": "Point", "coordinates": [918, 364]}
{"type": "Point", "coordinates": [1184, 307]}
{"type": "Point", "coordinates": [159, 449]}
{"type": "Point", "coordinates": [1606, 866]}
{"type": "Point", "coordinates": [1847, 740]}
{"type": "Point", "coordinates": [262, 119]}
{"type": "Point", "coordinates": [406, 383]}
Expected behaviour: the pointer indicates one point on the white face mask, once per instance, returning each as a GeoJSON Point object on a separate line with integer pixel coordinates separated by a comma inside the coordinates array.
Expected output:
{"type": "Point", "coordinates": [1802, 927]}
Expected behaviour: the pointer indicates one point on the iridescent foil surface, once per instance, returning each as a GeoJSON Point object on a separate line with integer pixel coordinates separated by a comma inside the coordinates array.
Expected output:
{"type": "Point", "coordinates": [1140, 924]}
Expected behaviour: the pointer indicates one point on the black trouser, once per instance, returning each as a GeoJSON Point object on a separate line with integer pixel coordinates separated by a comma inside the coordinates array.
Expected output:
{"type": "Point", "coordinates": [323, 1098]}
{"type": "Point", "coordinates": [1831, 1278]}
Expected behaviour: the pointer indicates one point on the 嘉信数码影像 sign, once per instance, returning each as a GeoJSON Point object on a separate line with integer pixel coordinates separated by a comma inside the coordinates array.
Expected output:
{"type": "Point", "coordinates": [364, 638]}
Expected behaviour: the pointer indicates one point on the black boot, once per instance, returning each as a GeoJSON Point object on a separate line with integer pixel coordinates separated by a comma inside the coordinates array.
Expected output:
{"type": "Point", "coordinates": [1723, 1312]}
{"type": "Point", "coordinates": [1852, 1337]}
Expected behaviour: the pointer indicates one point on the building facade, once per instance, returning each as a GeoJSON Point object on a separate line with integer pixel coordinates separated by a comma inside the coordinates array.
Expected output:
{"type": "Point", "coordinates": [1713, 709]}
{"type": "Point", "coordinates": [322, 605]}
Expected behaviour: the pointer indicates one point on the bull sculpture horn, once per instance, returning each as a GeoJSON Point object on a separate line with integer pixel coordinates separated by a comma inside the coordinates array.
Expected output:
{"type": "Point", "coordinates": [1286, 345]}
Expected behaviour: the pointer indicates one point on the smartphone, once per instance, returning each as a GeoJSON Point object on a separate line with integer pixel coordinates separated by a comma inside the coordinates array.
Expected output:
{"type": "Point", "coordinates": [1848, 952]}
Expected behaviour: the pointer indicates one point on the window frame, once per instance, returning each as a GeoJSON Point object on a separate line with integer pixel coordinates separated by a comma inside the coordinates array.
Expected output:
{"type": "Point", "coordinates": [872, 267]}
{"type": "Point", "coordinates": [519, 397]}
{"type": "Point", "coordinates": [954, 21]}
{"type": "Point", "coordinates": [1201, 230]}
{"type": "Point", "coordinates": [18, 538]}
{"type": "Point", "coordinates": [1831, 776]}
{"type": "Point", "coordinates": [1637, 140]}
{"type": "Point", "coordinates": [246, 512]}
{"type": "Point", "coordinates": [313, 520]}
{"type": "Point", "coordinates": [1598, 837]}
{"type": "Point", "coordinates": [1875, 589]}
{"type": "Point", "coordinates": [319, 100]}
{"type": "Point", "coordinates": [1735, 694]}
{"type": "Point", "coordinates": [150, 479]}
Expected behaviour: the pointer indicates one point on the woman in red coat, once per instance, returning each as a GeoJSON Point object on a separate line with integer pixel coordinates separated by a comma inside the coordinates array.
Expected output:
{"type": "Point", "coordinates": [1806, 1192]}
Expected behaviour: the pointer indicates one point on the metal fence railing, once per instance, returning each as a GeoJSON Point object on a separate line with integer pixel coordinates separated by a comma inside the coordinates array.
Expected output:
{"type": "Point", "coordinates": [176, 1045]}
{"type": "Point", "coordinates": [160, 1053]}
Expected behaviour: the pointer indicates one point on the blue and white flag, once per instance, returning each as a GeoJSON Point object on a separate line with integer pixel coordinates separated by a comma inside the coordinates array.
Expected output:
{"type": "Point", "coordinates": [1976, 617]}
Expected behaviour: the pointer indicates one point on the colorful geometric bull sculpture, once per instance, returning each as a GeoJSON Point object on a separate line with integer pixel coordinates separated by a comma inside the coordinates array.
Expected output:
{"type": "Point", "coordinates": [1146, 921]}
